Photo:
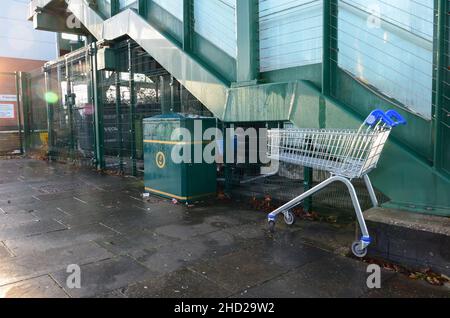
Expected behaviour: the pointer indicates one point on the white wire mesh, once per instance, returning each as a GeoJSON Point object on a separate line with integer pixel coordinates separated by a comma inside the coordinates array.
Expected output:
{"type": "Point", "coordinates": [350, 153]}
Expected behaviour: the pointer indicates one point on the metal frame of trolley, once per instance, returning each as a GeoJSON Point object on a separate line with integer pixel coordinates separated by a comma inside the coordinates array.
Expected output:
{"type": "Point", "coordinates": [346, 154]}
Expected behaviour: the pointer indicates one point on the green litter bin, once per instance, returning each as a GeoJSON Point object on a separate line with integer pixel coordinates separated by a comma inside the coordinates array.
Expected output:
{"type": "Point", "coordinates": [185, 182]}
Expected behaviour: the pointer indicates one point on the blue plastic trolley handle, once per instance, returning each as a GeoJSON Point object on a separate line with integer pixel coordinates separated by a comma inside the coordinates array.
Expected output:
{"type": "Point", "coordinates": [390, 118]}
{"type": "Point", "coordinates": [396, 118]}
{"type": "Point", "coordinates": [378, 115]}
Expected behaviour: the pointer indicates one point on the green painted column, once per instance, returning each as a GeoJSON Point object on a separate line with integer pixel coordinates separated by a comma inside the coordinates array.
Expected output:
{"type": "Point", "coordinates": [119, 121]}
{"type": "Point", "coordinates": [49, 106]}
{"type": "Point", "coordinates": [69, 105]}
{"type": "Point", "coordinates": [143, 8]}
{"type": "Point", "coordinates": [98, 111]}
{"type": "Point", "coordinates": [26, 110]}
{"type": "Point", "coordinates": [132, 112]}
{"type": "Point", "coordinates": [329, 68]}
{"type": "Point", "coordinates": [247, 40]}
{"type": "Point", "coordinates": [441, 50]}
{"type": "Point", "coordinates": [19, 106]}
{"type": "Point", "coordinates": [188, 18]}
{"type": "Point", "coordinates": [114, 7]}
{"type": "Point", "coordinates": [330, 49]}
{"type": "Point", "coordinates": [228, 149]}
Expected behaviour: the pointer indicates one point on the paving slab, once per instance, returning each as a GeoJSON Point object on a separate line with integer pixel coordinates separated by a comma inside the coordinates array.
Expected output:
{"type": "Point", "coordinates": [136, 245]}
{"type": "Point", "coordinates": [105, 276]}
{"type": "Point", "coordinates": [58, 239]}
{"type": "Point", "coordinates": [41, 263]}
{"type": "Point", "coordinates": [185, 232]}
{"type": "Point", "coordinates": [4, 253]}
{"type": "Point", "coordinates": [30, 228]}
{"type": "Point", "coordinates": [334, 276]}
{"type": "Point", "coordinates": [180, 284]}
{"type": "Point", "coordinates": [39, 287]}
{"type": "Point", "coordinates": [254, 265]}
{"type": "Point", "coordinates": [15, 219]}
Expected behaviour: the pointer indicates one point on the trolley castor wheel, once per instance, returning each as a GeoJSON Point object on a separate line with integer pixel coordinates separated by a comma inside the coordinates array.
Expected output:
{"type": "Point", "coordinates": [272, 227]}
{"type": "Point", "coordinates": [289, 218]}
{"type": "Point", "coordinates": [357, 251]}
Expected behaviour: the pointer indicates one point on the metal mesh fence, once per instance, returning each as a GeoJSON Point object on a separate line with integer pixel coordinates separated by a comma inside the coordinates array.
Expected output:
{"type": "Point", "coordinates": [153, 92]}
{"type": "Point", "coordinates": [37, 113]}
{"type": "Point", "coordinates": [71, 115]}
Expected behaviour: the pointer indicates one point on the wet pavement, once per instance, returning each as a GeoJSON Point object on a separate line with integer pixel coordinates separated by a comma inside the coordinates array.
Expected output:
{"type": "Point", "coordinates": [54, 215]}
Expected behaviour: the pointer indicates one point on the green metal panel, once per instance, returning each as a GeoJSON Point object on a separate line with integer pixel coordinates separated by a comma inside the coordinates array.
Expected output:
{"type": "Point", "coordinates": [246, 15]}
{"type": "Point", "coordinates": [312, 73]}
{"type": "Point", "coordinates": [404, 177]}
{"type": "Point", "coordinates": [267, 102]}
{"type": "Point", "coordinates": [98, 111]}
{"type": "Point", "coordinates": [132, 113]}
{"type": "Point", "coordinates": [442, 86]}
{"type": "Point", "coordinates": [106, 59]}
{"type": "Point", "coordinates": [188, 16]}
{"type": "Point", "coordinates": [418, 136]}
{"type": "Point", "coordinates": [164, 177]}
{"type": "Point", "coordinates": [165, 22]}
{"type": "Point", "coordinates": [219, 63]}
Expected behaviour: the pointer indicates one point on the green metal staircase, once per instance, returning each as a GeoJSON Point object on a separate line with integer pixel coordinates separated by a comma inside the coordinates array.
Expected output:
{"type": "Point", "coordinates": [411, 181]}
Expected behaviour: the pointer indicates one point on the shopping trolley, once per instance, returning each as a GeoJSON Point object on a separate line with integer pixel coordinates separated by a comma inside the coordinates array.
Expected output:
{"type": "Point", "coordinates": [346, 154]}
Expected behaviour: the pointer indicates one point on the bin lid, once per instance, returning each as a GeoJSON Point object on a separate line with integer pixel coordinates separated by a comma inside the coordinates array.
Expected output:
{"type": "Point", "coordinates": [175, 116]}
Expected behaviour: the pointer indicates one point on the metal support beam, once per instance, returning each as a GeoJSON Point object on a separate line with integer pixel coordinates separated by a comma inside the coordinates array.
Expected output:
{"type": "Point", "coordinates": [114, 7]}
{"type": "Point", "coordinates": [119, 121]}
{"type": "Point", "coordinates": [228, 151]}
{"type": "Point", "coordinates": [143, 8]}
{"type": "Point", "coordinates": [98, 111]}
{"type": "Point", "coordinates": [188, 18]}
{"type": "Point", "coordinates": [247, 32]}
{"type": "Point", "coordinates": [19, 106]}
{"type": "Point", "coordinates": [441, 67]}
{"type": "Point", "coordinates": [329, 65]}
{"type": "Point", "coordinates": [69, 104]}
{"type": "Point", "coordinates": [50, 106]}
{"type": "Point", "coordinates": [132, 113]}
{"type": "Point", "coordinates": [26, 110]}
{"type": "Point", "coordinates": [56, 23]}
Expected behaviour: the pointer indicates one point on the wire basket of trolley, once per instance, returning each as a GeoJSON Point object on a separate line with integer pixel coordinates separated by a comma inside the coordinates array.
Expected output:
{"type": "Point", "coordinates": [346, 154]}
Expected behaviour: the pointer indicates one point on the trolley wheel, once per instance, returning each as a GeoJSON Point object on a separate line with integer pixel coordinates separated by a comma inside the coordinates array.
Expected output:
{"type": "Point", "coordinates": [272, 226]}
{"type": "Point", "coordinates": [289, 218]}
{"type": "Point", "coordinates": [357, 251]}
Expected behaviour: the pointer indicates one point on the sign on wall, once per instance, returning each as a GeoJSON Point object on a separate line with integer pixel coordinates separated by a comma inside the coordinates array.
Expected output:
{"type": "Point", "coordinates": [8, 98]}
{"type": "Point", "coordinates": [7, 111]}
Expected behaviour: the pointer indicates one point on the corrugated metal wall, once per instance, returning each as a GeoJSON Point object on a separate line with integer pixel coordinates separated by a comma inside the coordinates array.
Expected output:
{"type": "Point", "coordinates": [390, 46]}
{"type": "Point", "coordinates": [175, 7]}
{"type": "Point", "coordinates": [290, 33]}
{"type": "Point", "coordinates": [215, 20]}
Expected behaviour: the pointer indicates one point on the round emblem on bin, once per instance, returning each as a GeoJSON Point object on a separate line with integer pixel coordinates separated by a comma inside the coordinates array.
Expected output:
{"type": "Point", "coordinates": [160, 160]}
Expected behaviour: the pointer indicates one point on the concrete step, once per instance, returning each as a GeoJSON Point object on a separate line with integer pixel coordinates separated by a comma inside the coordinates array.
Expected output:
{"type": "Point", "coordinates": [416, 240]}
